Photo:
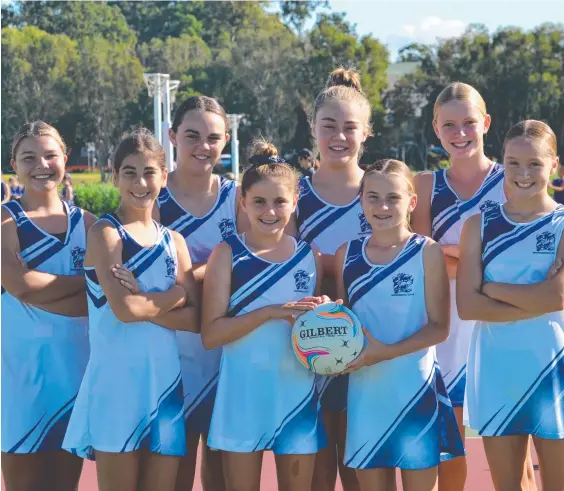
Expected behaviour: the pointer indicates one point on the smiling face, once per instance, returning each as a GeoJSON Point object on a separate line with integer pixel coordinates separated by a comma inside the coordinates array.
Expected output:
{"type": "Point", "coordinates": [139, 179]}
{"type": "Point", "coordinates": [199, 140]}
{"type": "Point", "coordinates": [461, 125]}
{"type": "Point", "coordinates": [269, 204]}
{"type": "Point", "coordinates": [528, 166]}
{"type": "Point", "coordinates": [39, 163]}
{"type": "Point", "coordinates": [386, 200]}
{"type": "Point", "coordinates": [340, 129]}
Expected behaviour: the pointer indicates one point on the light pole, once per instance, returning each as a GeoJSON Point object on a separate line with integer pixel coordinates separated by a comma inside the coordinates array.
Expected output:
{"type": "Point", "coordinates": [234, 120]}
{"type": "Point", "coordinates": [162, 90]}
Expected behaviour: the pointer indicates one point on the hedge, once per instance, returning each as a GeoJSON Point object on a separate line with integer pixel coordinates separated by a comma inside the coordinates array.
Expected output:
{"type": "Point", "coordinates": [96, 198]}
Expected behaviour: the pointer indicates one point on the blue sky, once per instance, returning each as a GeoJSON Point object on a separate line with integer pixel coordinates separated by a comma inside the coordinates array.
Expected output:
{"type": "Point", "coordinates": [400, 22]}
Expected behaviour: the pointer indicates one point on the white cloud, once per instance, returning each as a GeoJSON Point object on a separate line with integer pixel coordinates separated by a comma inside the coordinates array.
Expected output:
{"type": "Point", "coordinates": [425, 31]}
{"type": "Point", "coordinates": [432, 27]}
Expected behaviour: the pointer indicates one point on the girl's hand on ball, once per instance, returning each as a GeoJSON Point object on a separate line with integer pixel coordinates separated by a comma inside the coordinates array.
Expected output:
{"type": "Point", "coordinates": [292, 309]}
{"type": "Point", "coordinates": [374, 352]}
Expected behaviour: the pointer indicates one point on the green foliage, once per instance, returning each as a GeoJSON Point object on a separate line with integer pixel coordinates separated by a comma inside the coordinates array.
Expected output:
{"type": "Point", "coordinates": [79, 66]}
{"type": "Point", "coordinates": [96, 198]}
{"type": "Point", "coordinates": [519, 74]}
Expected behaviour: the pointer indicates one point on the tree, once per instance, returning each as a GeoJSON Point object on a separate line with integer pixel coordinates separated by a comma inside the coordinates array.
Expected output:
{"type": "Point", "coordinates": [38, 74]}
{"type": "Point", "coordinates": [109, 79]}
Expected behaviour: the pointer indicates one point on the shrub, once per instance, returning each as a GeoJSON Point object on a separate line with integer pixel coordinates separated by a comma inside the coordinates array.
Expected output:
{"type": "Point", "coordinates": [96, 198]}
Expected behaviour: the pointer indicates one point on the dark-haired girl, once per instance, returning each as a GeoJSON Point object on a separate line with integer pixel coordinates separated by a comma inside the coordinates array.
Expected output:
{"type": "Point", "coordinates": [129, 410]}
{"type": "Point", "coordinates": [44, 324]}
{"type": "Point", "coordinates": [203, 208]}
{"type": "Point", "coordinates": [265, 399]}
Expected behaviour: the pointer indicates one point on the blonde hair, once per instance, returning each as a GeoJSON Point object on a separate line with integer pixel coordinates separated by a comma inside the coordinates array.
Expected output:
{"type": "Point", "coordinates": [533, 130]}
{"type": "Point", "coordinates": [262, 168]}
{"type": "Point", "coordinates": [459, 91]}
{"type": "Point", "coordinates": [344, 85]}
{"type": "Point", "coordinates": [387, 167]}
{"type": "Point", "coordinates": [34, 130]}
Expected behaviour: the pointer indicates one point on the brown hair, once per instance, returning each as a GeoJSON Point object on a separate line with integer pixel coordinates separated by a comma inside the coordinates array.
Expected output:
{"type": "Point", "coordinates": [140, 140]}
{"type": "Point", "coordinates": [388, 167]}
{"type": "Point", "coordinates": [264, 169]}
{"type": "Point", "coordinates": [343, 85]}
{"type": "Point", "coordinates": [459, 91]}
{"type": "Point", "coordinates": [533, 130]}
{"type": "Point", "coordinates": [34, 130]}
{"type": "Point", "coordinates": [200, 103]}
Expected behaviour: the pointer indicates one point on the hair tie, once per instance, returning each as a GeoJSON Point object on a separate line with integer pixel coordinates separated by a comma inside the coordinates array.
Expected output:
{"type": "Point", "coordinates": [264, 160]}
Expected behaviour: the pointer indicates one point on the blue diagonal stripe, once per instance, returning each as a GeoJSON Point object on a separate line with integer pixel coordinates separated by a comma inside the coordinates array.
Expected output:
{"type": "Point", "coordinates": [386, 271]}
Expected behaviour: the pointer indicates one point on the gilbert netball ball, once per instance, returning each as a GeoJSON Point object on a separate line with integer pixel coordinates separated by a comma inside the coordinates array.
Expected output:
{"type": "Point", "coordinates": [327, 338]}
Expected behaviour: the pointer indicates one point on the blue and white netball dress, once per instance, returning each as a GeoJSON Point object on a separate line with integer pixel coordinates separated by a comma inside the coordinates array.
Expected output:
{"type": "Point", "coordinates": [131, 395]}
{"type": "Point", "coordinates": [44, 355]}
{"type": "Point", "coordinates": [266, 400]}
{"type": "Point", "coordinates": [399, 413]}
{"type": "Point", "coordinates": [449, 214]}
{"type": "Point", "coordinates": [327, 227]}
{"type": "Point", "coordinates": [200, 367]}
{"type": "Point", "coordinates": [516, 369]}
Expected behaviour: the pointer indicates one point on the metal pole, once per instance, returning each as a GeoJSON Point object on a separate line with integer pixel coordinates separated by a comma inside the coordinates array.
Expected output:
{"type": "Point", "coordinates": [158, 115]}
{"type": "Point", "coordinates": [166, 125]}
{"type": "Point", "coordinates": [235, 149]}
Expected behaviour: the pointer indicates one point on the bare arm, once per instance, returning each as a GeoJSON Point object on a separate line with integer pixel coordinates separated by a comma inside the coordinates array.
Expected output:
{"type": "Point", "coordinates": [556, 188]}
{"type": "Point", "coordinates": [243, 224]}
{"type": "Point", "coordinates": [73, 306]}
{"type": "Point", "coordinates": [537, 298]}
{"type": "Point", "coordinates": [421, 222]}
{"type": "Point", "coordinates": [421, 216]}
{"type": "Point", "coordinates": [27, 285]}
{"type": "Point", "coordinates": [340, 290]}
{"type": "Point", "coordinates": [186, 318]}
{"type": "Point", "coordinates": [104, 251]}
{"type": "Point", "coordinates": [217, 328]}
{"type": "Point", "coordinates": [471, 302]}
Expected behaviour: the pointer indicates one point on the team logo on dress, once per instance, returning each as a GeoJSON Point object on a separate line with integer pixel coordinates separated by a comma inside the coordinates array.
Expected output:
{"type": "Point", "coordinates": [78, 257]}
{"type": "Point", "coordinates": [365, 227]}
{"type": "Point", "coordinates": [402, 284]}
{"type": "Point", "coordinates": [226, 227]}
{"type": "Point", "coordinates": [170, 267]}
{"type": "Point", "coordinates": [545, 243]}
{"type": "Point", "coordinates": [487, 206]}
{"type": "Point", "coordinates": [302, 279]}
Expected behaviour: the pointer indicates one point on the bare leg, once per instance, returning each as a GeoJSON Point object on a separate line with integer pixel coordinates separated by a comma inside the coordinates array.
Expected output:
{"type": "Point", "coordinates": [420, 480]}
{"type": "Point", "coordinates": [187, 464]}
{"type": "Point", "coordinates": [117, 471]}
{"type": "Point", "coordinates": [25, 472]}
{"type": "Point", "coordinates": [157, 472]}
{"type": "Point", "coordinates": [551, 463]}
{"type": "Point", "coordinates": [380, 479]}
{"type": "Point", "coordinates": [325, 469]}
{"type": "Point", "coordinates": [65, 469]}
{"type": "Point", "coordinates": [452, 473]}
{"type": "Point", "coordinates": [211, 468]}
{"type": "Point", "coordinates": [347, 474]}
{"type": "Point", "coordinates": [295, 472]}
{"type": "Point", "coordinates": [506, 457]}
{"type": "Point", "coordinates": [242, 471]}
